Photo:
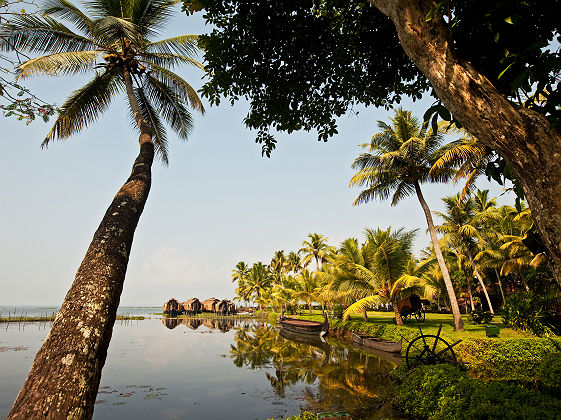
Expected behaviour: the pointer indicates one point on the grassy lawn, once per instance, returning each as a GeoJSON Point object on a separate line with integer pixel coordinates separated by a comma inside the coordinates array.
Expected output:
{"type": "Point", "coordinates": [431, 324]}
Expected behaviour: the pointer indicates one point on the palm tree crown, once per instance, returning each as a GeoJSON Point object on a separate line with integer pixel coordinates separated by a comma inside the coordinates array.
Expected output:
{"type": "Point", "coordinates": [400, 157]}
{"type": "Point", "coordinates": [115, 42]}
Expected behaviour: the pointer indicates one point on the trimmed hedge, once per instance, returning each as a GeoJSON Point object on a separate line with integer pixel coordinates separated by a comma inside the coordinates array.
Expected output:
{"type": "Point", "coordinates": [445, 392]}
{"type": "Point", "coordinates": [516, 359]}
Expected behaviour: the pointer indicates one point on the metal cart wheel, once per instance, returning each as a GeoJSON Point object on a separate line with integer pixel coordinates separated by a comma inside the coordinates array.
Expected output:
{"type": "Point", "coordinates": [429, 350]}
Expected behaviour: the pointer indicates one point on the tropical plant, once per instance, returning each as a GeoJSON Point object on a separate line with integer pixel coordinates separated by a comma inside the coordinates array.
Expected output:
{"type": "Point", "coordinates": [116, 42]}
{"type": "Point", "coordinates": [463, 221]}
{"type": "Point", "coordinates": [315, 249]}
{"type": "Point", "coordinates": [293, 262]}
{"type": "Point", "coordinates": [377, 272]}
{"type": "Point", "coordinates": [399, 160]}
{"type": "Point", "coordinates": [306, 287]}
{"type": "Point", "coordinates": [524, 310]}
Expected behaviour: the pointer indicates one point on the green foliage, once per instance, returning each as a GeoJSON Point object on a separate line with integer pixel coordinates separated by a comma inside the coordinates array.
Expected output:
{"type": "Point", "coordinates": [264, 51]}
{"type": "Point", "coordinates": [304, 415]}
{"type": "Point", "coordinates": [338, 311]}
{"type": "Point", "coordinates": [549, 373]}
{"type": "Point", "coordinates": [524, 310]}
{"type": "Point", "coordinates": [516, 359]}
{"type": "Point", "coordinates": [445, 392]}
{"type": "Point", "coordinates": [479, 316]}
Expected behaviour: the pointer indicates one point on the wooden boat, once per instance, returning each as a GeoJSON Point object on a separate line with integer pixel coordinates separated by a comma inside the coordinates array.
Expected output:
{"type": "Point", "coordinates": [303, 326]}
{"type": "Point", "coordinates": [378, 343]}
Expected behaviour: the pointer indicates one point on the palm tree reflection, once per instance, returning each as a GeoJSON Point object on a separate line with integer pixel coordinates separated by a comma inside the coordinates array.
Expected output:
{"type": "Point", "coordinates": [337, 377]}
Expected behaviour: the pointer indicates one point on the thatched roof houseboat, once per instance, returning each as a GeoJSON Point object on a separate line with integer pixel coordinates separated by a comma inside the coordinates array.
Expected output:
{"type": "Point", "coordinates": [210, 304]}
{"type": "Point", "coordinates": [193, 306]}
{"type": "Point", "coordinates": [172, 307]}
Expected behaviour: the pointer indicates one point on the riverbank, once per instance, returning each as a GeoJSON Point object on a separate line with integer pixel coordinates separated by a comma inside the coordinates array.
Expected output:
{"type": "Point", "coordinates": [514, 376]}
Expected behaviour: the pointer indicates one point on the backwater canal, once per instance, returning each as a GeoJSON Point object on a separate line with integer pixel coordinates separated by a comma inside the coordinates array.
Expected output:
{"type": "Point", "coordinates": [214, 369]}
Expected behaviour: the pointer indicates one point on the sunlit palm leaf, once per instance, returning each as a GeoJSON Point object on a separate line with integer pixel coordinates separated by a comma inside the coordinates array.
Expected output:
{"type": "Point", "coordinates": [185, 45]}
{"type": "Point", "coordinates": [363, 304]}
{"type": "Point", "coordinates": [63, 63]}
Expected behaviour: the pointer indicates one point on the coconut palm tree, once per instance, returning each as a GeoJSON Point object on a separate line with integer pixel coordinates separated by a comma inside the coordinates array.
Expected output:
{"type": "Point", "coordinates": [114, 41]}
{"type": "Point", "coordinates": [306, 287]}
{"type": "Point", "coordinates": [293, 262]}
{"type": "Point", "coordinates": [463, 221]}
{"type": "Point", "coordinates": [377, 272]}
{"type": "Point", "coordinates": [399, 160]}
{"type": "Point", "coordinates": [317, 249]}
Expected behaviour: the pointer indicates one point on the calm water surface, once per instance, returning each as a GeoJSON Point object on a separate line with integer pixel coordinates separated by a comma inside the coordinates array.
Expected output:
{"type": "Point", "coordinates": [212, 369]}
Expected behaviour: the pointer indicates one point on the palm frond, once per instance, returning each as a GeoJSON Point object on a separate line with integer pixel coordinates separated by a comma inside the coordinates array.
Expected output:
{"type": "Point", "coordinates": [66, 10]}
{"type": "Point", "coordinates": [185, 45]}
{"type": "Point", "coordinates": [41, 34]}
{"type": "Point", "coordinates": [63, 63]}
{"type": "Point", "coordinates": [150, 15]}
{"type": "Point", "coordinates": [169, 60]}
{"type": "Point", "coordinates": [159, 132]}
{"type": "Point", "coordinates": [84, 106]}
{"type": "Point", "coordinates": [179, 86]}
{"type": "Point", "coordinates": [112, 29]}
{"type": "Point", "coordinates": [170, 106]}
{"type": "Point", "coordinates": [363, 304]}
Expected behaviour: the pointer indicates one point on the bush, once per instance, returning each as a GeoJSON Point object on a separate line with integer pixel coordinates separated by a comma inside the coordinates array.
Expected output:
{"type": "Point", "coordinates": [338, 311]}
{"type": "Point", "coordinates": [549, 373]}
{"type": "Point", "coordinates": [445, 392]}
{"type": "Point", "coordinates": [420, 391]}
{"type": "Point", "coordinates": [517, 359]}
{"type": "Point", "coordinates": [479, 316]}
{"type": "Point", "coordinates": [524, 311]}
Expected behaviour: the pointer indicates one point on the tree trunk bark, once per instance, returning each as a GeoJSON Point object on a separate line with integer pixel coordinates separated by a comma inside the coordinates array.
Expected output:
{"type": "Point", "coordinates": [480, 279]}
{"type": "Point", "coordinates": [524, 138]}
{"type": "Point", "coordinates": [398, 319]}
{"type": "Point", "coordinates": [469, 294]}
{"type": "Point", "coordinates": [458, 324]}
{"type": "Point", "coordinates": [500, 284]}
{"type": "Point", "coordinates": [65, 374]}
{"type": "Point", "coordinates": [364, 315]}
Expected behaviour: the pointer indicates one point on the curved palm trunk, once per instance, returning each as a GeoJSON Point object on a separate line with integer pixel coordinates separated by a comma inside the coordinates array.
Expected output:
{"type": "Point", "coordinates": [458, 324]}
{"type": "Point", "coordinates": [480, 279]}
{"type": "Point", "coordinates": [398, 319]}
{"type": "Point", "coordinates": [364, 315]}
{"type": "Point", "coordinates": [66, 372]}
{"type": "Point", "coordinates": [468, 282]}
{"type": "Point", "coordinates": [500, 284]}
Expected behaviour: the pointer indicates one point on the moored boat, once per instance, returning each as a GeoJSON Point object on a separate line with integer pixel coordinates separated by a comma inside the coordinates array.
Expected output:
{"type": "Point", "coordinates": [303, 326]}
{"type": "Point", "coordinates": [378, 343]}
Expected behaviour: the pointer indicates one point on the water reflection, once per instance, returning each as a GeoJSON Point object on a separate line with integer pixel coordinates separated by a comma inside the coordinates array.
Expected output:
{"type": "Point", "coordinates": [343, 378]}
{"type": "Point", "coordinates": [223, 325]}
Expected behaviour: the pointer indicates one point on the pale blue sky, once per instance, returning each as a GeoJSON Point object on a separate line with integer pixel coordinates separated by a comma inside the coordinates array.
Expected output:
{"type": "Point", "coordinates": [217, 203]}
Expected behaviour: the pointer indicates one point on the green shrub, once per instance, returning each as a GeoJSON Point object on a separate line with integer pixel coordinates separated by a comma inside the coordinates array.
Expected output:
{"type": "Point", "coordinates": [420, 391]}
{"type": "Point", "coordinates": [304, 415]}
{"type": "Point", "coordinates": [445, 392]}
{"type": "Point", "coordinates": [479, 316]}
{"type": "Point", "coordinates": [476, 399]}
{"type": "Point", "coordinates": [516, 359]}
{"type": "Point", "coordinates": [524, 311]}
{"type": "Point", "coordinates": [549, 373]}
{"type": "Point", "coordinates": [338, 311]}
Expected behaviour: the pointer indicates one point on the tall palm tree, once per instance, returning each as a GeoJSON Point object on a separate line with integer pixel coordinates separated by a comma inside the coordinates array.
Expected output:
{"type": "Point", "coordinates": [114, 41]}
{"type": "Point", "coordinates": [317, 249]}
{"type": "Point", "coordinates": [258, 281]}
{"type": "Point", "coordinates": [463, 221]}
{"type": "Point", "coordinates": [399, 160]}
